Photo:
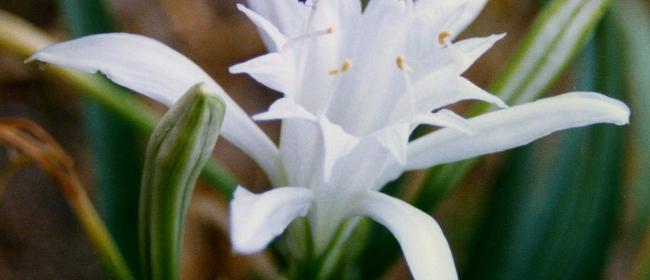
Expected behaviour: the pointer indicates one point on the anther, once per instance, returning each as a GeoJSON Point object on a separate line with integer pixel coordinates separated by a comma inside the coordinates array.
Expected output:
{"type": "Point", "coordinates": [347, 64]}
{"type": "Point", "coordinates": [401, 64]}
{"type": "Point", "coordinates": [443, 36]}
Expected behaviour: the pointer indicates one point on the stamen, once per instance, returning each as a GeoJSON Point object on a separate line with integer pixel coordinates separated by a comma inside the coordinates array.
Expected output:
{"type": "Point", "coordinates": [408, 84]}
{"type": "Point", "coordinates": [347, 64]}
{"type": "Point", "coordinates": [401, 64]}
{"type": "Point", "coordinates": [309, 35]}
{"type": "Point", "coordinates": [443, 36]}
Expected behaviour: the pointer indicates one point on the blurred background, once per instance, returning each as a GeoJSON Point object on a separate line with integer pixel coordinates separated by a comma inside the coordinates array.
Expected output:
{"type": "Point", "coordinates": [572, 206]}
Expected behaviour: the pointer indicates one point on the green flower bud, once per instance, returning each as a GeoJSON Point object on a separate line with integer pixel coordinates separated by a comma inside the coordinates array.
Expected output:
{"type": "Point", "coordinates": [178, 148]}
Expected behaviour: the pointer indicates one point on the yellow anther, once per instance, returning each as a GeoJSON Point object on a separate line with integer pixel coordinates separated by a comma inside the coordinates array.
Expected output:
{"type": "Point", "coordinates": [347, 64]}
{"type": "Point", "coordinates": [330, 30]}
{"type": "Point", "coordinates": [401, 64]}
{"type": "Point", "coordinates": [443, 36]}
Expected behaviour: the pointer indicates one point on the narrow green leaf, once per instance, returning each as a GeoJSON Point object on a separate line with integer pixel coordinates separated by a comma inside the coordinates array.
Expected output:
{"type": "Point", "coordinates": [634, 18]}
{"type": "Point", "coordinates": [177, 150]}
{"type": "Point", "coordinates": [112, 140]}
{"type": "Point", "coordinates": [553, 213]}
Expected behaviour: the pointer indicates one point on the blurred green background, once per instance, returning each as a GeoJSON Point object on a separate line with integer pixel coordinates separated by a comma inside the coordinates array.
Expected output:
{"type": "Point", "coordinates": [574, 205]}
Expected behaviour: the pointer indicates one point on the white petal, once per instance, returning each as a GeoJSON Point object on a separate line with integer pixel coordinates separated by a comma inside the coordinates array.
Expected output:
{"type": "Point", "coordinates": [269, 32]}
{"type": "Point", "coordinates": [394, 139]}
{"type": "Point", "coordinates": [455, 58]}
{"type": "Point", "coordinates": [467, 51]}
{"type": "Point", "coordinates": [288, 15]}
{"type": "Point", "coordinates": [446, 118]}
{"type": "Point", "coordinates": [516, 126]}
{"type": "Point", "coordinates": [337, 144]}
{"type": "Point", "coordinates": [423, 243]}
{"type": "Point", "coordinates": [255, 219]}
{"type": "Point", "coordinates": [439, 89]}
{"type": "Point", "coordinates": [159, 72]}
{"type": "Point", "coordinates": [284, 108]}
{"type": "Point", "coordinates": [274, 70]}
{"type": "Point", "coordinates": [458, 14]}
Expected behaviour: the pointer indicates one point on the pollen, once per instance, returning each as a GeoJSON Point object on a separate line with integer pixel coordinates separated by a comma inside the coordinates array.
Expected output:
{"type": "Point", "coordinates": [347, 64]}
{"type": "Point", "coordinates": [443, 36]}
{"type": "Point", "coordinates": [401, 64]}
{"type": "Point", "coordinates": [330, 30]}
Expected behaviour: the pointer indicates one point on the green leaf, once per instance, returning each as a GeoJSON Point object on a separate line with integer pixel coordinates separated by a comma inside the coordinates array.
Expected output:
{"type": "Point", "coordinates": [553, 212]}
{"type": "Point", "coordinates": [116, 174]}
{"type": "Point", "coordinates": [177, 150]}
{"type": "Point", "coordinates": [634, 19]}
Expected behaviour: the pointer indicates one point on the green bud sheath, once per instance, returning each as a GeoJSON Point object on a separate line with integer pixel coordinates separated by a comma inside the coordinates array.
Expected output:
{"type": "Point", "coordinates": [177, 150]}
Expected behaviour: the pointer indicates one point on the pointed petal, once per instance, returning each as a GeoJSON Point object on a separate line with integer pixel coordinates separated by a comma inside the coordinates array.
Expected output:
{"type": "Point", "coordinates": [274, 70]}
{"type": "Point", "coordinates": [516, 126]}
{"type": "Point", "coordinates": [438, 90]}
{"type": "Point", "coordinates": [288, 15]}
{"type": "Point", "coordinates": [255, 219]}
{"type": "Point", "coordinates": [457, 14]}
{"type": "Point", "coordinates": [269, 31]}
{"type": "Point", "coordinates": [471, 11]}
{"type": "Point", "coordinates": [394, 139]}
{"type": "Point", "coordinates": [467, 51]}
{"type": "Point", "coordinates": [420, 237]}
{"type": "Point", "coordinates": [455, 58]}
{"type": "Point", "coordinates": [284, 108]}
{"type": "Point", "coordinates": [446, 118]}
{"type": "Point", "coordinates": [159, 72]}
{"type": "Point", "coordinates": [337, 142]}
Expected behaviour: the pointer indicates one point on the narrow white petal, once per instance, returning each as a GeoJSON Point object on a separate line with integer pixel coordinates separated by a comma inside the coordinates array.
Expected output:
{"type": "Point", "coordinates": [455, 58]}
{"type": "Point", "coordinates": [269, 31]}
{"type": "Point", "coordinates": [457, 14]}
{"type": "Point", "coordinates": [394, 139]}
{"type": "Point", "coordinates": [284, 108]}
{"type": "Point", "coordinates": [472, 10]}
{"type": "Point", "coordinates": [274, 70]}
{"type": "Point", "coordinates": [288, 15]}
{"type": "Point", "coordinates": [446, 118]}
{"type": "Point", "coordinates": [516, 126]}
{"type": "Point", "coordinates": [159, 72]}
{"type": "Point", "coordinates": [255, 219]}
{"type": "Point", "coordinates": [423, 243]}
{"type": "Point", "coordinates": [467, 51]}
{"type": "Point", "coordinates": [439, 89]}
{"type": "Point", "coordinates": [337, 144]}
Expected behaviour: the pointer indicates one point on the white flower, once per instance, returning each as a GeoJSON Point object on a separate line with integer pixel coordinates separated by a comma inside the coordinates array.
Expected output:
{"type": "Point", "coordinates": [355, 83]}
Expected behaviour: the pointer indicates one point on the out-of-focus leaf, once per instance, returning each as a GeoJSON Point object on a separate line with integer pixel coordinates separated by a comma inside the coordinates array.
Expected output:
{"type": "Point", "coordinates": [23, 39]}
{"type": "Point", "coordinates": [556, 36]}
{"type": "Point", "coordinates": [553, 212]}
{"type": "Point", "coordinates": [634, 19]}
{"type": "Point", "coordinates": [117, 164]}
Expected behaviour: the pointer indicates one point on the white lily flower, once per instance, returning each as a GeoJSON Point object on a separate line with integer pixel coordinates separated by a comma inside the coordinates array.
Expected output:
{"type": "Point", "coordinates": [355, 83]}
